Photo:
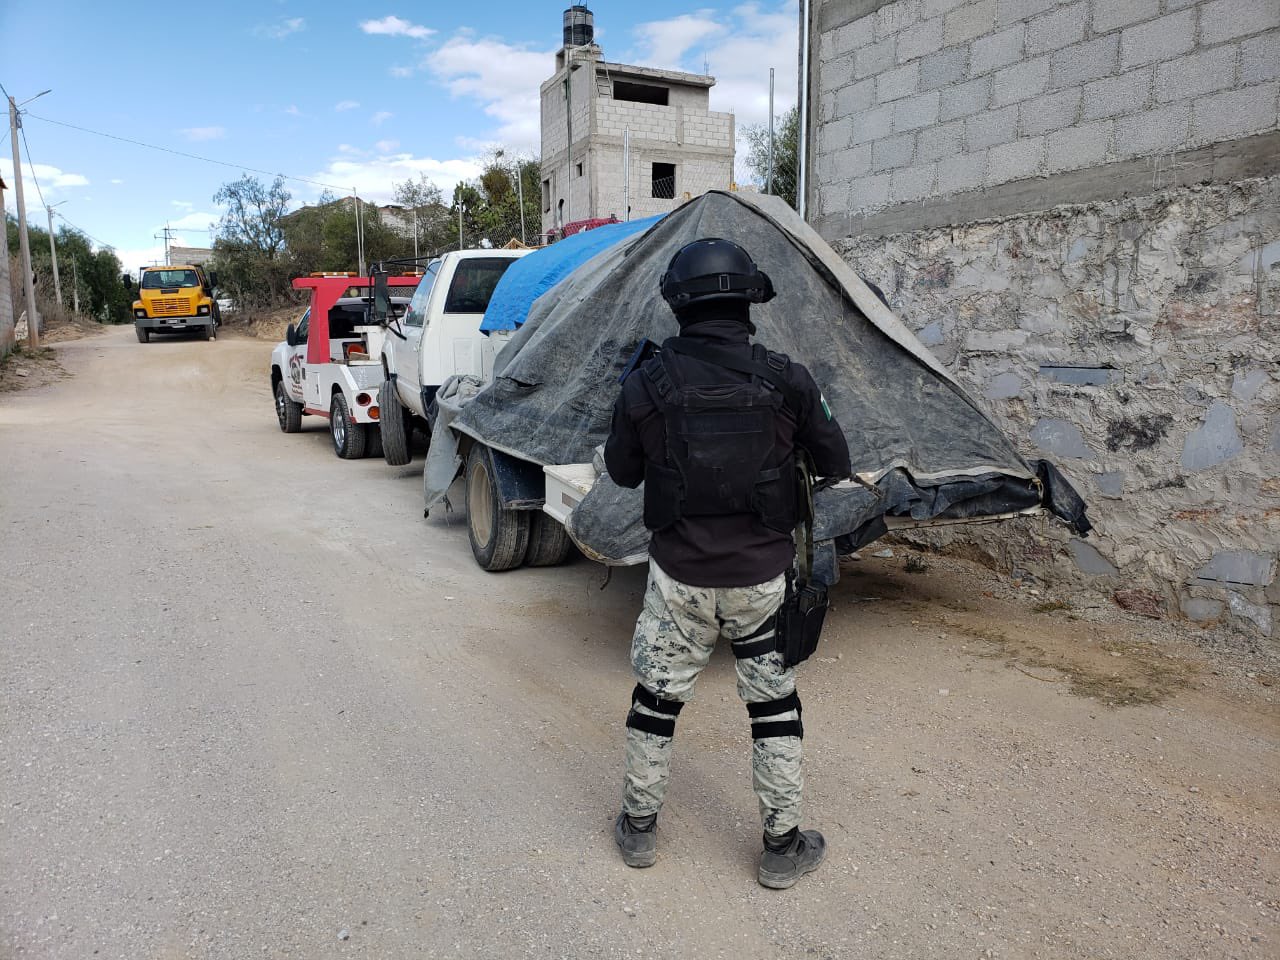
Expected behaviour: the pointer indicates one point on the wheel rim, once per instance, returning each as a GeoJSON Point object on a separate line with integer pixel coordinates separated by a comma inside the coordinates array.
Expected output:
{"type": "Point", "coordinates": [280, 407]}
{"type": "Point", "coordinates": [338, 424]}
{"type": "Point", "coordinates": [480, 503]}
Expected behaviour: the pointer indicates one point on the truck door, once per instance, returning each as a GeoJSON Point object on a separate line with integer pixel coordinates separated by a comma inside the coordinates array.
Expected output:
{"type": "Point", "coordinates": [296, 361]}
{"type": "Point", "coordinates": [405, 352]}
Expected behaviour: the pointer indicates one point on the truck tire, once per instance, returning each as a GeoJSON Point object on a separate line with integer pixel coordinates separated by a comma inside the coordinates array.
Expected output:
{"type": "Point", "coordinates": [144, 336]}
{"type": "Point", "coordinates": [549, 545]}
{"type": "Point", "coordinates": [288, 411]}
{"type": "Point", "coordinates": [498, 537]}
{"type": "Point", "coordinates": [206, 332]}
{"type": "Point", "coordinates": [348, 437]}
{"type": "Point", "coordinates": [394, 425]}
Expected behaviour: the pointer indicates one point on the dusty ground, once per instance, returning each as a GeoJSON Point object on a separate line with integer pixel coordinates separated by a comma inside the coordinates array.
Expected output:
{"type": "Point", "coordinates": [255, 705]}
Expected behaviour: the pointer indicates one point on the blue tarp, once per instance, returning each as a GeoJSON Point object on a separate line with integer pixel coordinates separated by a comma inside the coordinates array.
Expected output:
{"type": "Point", "coordinates": [530, 277]}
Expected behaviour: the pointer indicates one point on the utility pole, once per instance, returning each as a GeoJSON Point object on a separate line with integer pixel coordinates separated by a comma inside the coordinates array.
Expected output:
{"type": "Point", "coordinates": [359, 230]}
{"type": "Point", "coordinates": [33, 322]}
{"type": "Point", "coordinates": [460, 206]}
{"type": "Point", "coordinates": [53, 252]}
{"type": "Point", "coordinates": [568, 167]}
{"type": "Point", "coordinates": [626, 174]}
{"type": "Point", "coordinates": [520, 199]}
{"type": "Point", "coordinates": [164, 235]}
{"type": "Point", "coordinates": [75, 286]}
{"type": "Point", "coordinates": [768, 183]}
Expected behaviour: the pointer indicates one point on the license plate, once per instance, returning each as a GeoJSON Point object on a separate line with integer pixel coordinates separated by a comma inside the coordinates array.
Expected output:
{"type": "Point", "coordinates": [176, 325]}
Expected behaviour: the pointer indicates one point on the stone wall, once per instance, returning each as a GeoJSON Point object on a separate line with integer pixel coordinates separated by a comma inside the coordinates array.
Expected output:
{"type": "Point", "coordinates": [1135, 343]}
{"type": "Point", "coordinates": [921, 99]}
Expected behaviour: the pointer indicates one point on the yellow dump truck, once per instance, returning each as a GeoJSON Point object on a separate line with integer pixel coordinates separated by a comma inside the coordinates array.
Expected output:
{"type": "Point", "coordinates": [175, 298]}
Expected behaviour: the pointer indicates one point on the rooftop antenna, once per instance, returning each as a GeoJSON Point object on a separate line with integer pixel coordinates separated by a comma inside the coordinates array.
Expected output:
{"type": "Point", "coordinates": [706, 65]}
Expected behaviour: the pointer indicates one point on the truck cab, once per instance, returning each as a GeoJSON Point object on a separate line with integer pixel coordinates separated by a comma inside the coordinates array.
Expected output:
{"type": "Point", "coordinates": [439, 337]}
{"type": "Point", "coordinates": [175, 298]}
{"type": "Point", "coordinates": [329, 364]}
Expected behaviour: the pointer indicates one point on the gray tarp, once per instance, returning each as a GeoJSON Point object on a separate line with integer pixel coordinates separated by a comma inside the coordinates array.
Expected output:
{"type": "Point", "coordinates": [913, 431]}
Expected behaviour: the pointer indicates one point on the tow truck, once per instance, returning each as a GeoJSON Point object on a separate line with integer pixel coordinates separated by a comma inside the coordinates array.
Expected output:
{"type": "Point", "coordinates": [330, 362]}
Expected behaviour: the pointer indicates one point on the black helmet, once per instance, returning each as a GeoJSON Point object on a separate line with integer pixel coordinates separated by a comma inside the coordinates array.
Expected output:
{"type": "Point", "coordinates": [713, 269]}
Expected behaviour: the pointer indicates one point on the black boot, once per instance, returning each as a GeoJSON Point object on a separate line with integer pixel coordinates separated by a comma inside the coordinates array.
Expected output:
{"type": "Point", "coordinates": [789, 857]}
{"type": "Point", "coordinates": [637, 839]}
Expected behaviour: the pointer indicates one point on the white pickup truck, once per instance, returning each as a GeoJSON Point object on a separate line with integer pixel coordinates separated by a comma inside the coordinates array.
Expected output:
{"type": "Point", "coordinates": [437, 338]}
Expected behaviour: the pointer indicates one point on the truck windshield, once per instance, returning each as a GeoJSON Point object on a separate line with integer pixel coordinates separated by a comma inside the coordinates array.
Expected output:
{"type": "Point", "coordinates": [473, 284]}
{"type": "Point", "coordinates": [155, 279]}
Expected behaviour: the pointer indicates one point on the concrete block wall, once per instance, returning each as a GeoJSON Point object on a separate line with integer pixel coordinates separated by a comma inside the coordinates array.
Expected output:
{"type": "Point", "coordinates": [699, 142]}
{"type": "Point", "coordinates": [919, 99]}
{"type": "Point", "coordinates": [1136, 344]}
{"type": "Point", "coordinates": [1076, 204]}
{"type": "Point", "coordinates": [6, 300]}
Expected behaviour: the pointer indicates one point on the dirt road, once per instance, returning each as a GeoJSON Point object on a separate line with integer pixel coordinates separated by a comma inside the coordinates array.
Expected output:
{"type": "Point", "coordinates": [254, 705]}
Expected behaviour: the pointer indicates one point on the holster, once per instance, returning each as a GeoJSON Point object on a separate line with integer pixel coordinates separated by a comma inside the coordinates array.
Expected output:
{"type": "Point", "coordinates": [800, 620]}
{"type": "Point", "coordinates": [804, 606]}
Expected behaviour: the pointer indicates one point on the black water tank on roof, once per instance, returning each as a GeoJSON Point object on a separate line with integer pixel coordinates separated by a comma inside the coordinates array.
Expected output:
{"type": "Point", "coordinates": [579, 26]}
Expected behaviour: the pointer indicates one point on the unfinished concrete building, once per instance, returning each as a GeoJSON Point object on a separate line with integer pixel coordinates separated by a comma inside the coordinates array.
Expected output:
{"type": "Point", "coordinates": [624, 141]}
{"type": "Point", "coordinates": [1076, 204]}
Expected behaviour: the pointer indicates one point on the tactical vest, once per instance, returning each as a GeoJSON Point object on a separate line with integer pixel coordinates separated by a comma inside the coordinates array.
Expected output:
{"type": "Point", "coordinates": [719, 449]}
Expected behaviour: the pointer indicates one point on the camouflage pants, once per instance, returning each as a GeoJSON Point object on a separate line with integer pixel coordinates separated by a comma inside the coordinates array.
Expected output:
{"type": "Point", "coordinates": [675, 634]}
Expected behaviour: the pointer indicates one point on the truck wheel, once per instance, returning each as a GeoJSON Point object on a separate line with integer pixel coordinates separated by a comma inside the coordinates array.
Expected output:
{"type": "Point", "coordinates": [498, 537]}
{"type": "Point", "coordinates": [206, 332]}
{"type": "Point", "coordinates": [549, 545]}
{"type": "Point", "coordinates": [348, 436]}
{"type": "Point", "coordinates": [211, 331]}
{"type": "Point", "coordinates": [393, 424]}
{"type": "Point", "coordinates": [144, 336]}
{"type": "Point", "coordinates": [288, 411]}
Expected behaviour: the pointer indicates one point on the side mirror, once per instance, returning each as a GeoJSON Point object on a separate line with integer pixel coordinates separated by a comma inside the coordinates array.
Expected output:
{"type": "Point", "coordinates": [291, 335]}
{"type": "Point", "coordinates": [213, 278]}
{"type": "Point", "coordinates": [381, 298]}
{"type": "Point", "coordinates": [128, 282]}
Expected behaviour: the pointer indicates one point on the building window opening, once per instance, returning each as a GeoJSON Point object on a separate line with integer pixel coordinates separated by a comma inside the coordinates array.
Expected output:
{"type": "Point", "coordinates": [664, 181]}
{"type": "Point", "coordinates": [640, 93]}
{"type": "Point", "coordinates": [546, 196]}
{"type": "Point", "coordinates": [578, 167]}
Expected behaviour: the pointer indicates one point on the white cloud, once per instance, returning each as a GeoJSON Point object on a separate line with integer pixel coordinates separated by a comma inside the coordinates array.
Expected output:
{"type": "Point", "coordinates": [132, 259]}
{"type": "Point", "coordinates": [664, 43]}
{"type": "Point", "coordinates": [376, 177]}
{"type": "Point", "coordinates": [738, 49]}
{"type": "Point", "coordinates": [117, 181]}
{"type": "Point", "coordinates": [503, 77]}
{"type": "Point", "coordinates": [395, 27]}
{"type": "Point", "coordinates": [196, 134]}
{"type": "Point", "coordinates": [281, 28]}
{"type": "Point", "coordinates": [53, 181]}
{"type": "Point", "coordinates": [386, 146]}
{"type": "Point", "coordinates": [401, 72]}
{"type": "Point", "coordinates": [292, 110]}
{"type": "Point", "coordinates": [195, 221]}
{"type": "Point", "coordinates": [381, 117]}
{"type": "Point", "coordinates": [343, 105]}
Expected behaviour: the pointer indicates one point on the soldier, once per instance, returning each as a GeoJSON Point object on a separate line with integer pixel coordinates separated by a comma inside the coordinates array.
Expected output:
{"type": "Point", "coordinates": [711, 426]}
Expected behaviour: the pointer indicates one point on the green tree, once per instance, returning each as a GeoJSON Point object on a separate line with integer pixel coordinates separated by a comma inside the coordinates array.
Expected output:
{"type": "Point", "coordinates": [249, 245]}
{"type": "Point", "coordinates": [94, 273]}
{"type": "Point", "coordinates": [786, 155]}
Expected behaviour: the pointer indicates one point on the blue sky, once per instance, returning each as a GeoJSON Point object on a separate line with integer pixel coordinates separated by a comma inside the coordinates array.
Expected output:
{"type": "Point", "coordinates": [350, 95]}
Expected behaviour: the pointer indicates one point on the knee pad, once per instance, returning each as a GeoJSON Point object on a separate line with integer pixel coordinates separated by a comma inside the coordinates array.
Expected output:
{"type": "Point", "coordinates": [663, 726]}
{"type": "Point", "coordinates": [772, 708]}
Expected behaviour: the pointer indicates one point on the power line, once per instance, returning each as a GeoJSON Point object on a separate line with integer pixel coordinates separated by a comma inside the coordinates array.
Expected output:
{"type": "Point", "coordinates": [31, 164]}
{"type": "Point", "coordinates": [190, 156]}
{"type": "Point", "coordinates": [107, 246]}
